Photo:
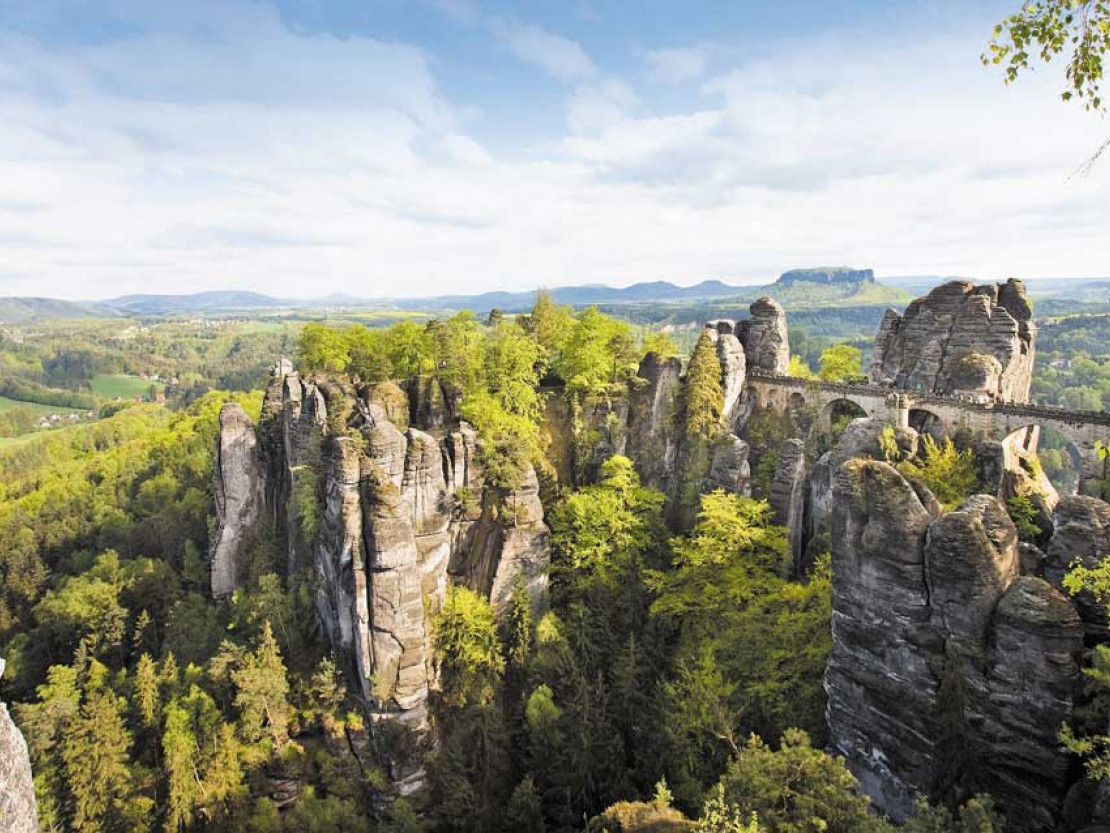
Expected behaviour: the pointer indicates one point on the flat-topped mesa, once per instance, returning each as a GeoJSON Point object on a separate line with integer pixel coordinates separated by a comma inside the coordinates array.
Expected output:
{"type": "Point", "coordinates": [380, 492]}
{"type": "Point", "coordinates": [829, 275]}
{"type": "Point", "coordinates": [961, 339]}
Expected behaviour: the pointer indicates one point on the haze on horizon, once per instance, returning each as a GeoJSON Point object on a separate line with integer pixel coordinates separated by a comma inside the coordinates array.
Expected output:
{"type": "Point", "coordinates": [387, 148]}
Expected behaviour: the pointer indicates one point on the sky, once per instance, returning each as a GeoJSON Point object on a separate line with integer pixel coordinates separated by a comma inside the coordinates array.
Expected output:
{"type": "Point", "coordinates": [421, 147]}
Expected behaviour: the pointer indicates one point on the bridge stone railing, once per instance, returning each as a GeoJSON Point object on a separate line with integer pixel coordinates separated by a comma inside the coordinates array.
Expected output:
{"type": "Point", "coordinates": [1049, 412]}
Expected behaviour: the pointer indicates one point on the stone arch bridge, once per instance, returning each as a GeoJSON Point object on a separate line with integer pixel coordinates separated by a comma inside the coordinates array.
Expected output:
{"type": "Point", "coordinates": [996, 421]}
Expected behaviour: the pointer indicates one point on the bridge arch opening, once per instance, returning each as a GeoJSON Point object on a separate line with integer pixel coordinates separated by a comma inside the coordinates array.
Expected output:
{"type": "Point", "coordinates": [796, 403]}
{"type": "Point", "coordinates": [925, 422]}
{"type": "Point", "coordinates": [1061, 460]}
{"type": "Point", "coordinates": [838, 413]}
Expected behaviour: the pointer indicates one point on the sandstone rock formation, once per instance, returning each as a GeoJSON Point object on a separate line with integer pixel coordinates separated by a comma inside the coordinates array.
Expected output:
{"type": "Point", "coordinates": [947, 666]}
{"type": "Point", "coordinates": [860, 440]}
{"type": "Point", "coordinates": [18, 812]}
{"type": "Point", "coordinates": [765, 338]}
{"type": "Point", "coordinates": [728, 467]}
{"type": "Point", "coordinates": [730, 353]}
{"type": "Point", "coordinates": [381, 494]}
{"type": "Point", "coordinates": [880, 686]}
{"type": "Point", "coordinates": [960, 338]}
{"type": "Point", "coordinates": [1081, 533]}
{"type": "Point", "coordinates": [788, 497]}
{"type": "Point", "coordinates": [971, 558]}
{"type": "Point", "coordinates": [1032, 678]}
{"type": "Point", "coordinates": [652, 442]}
{"type": "Point", "coordinates": [239, 488]}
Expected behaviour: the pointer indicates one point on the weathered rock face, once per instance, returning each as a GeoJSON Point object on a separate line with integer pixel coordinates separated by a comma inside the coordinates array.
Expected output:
{"type": "Point", "coordinates": [733, 361]}
{"type": "Point", "coordinates": [380, 492]}
{"type": "Point", "coordinates": [947, 666]}
{"type": "Point", "coordinates": [1031, 679]}
{"type": "Point", "coordinates": [971, 558]}
{"type": "Point", "coordinates": [1081, 533]}
{"type": "Point", "coordinates": [879, 682]}
{"type": "Point", "coordinates": [431, 405]}
{"type": "Point", "coordinates": [240, 488]}
{"type": "Point", "coordinates": [765, 338]}
{"type": "Point", "coordinates": [18, 811]}
{"type": "Point", "coordinates": [728, 467]}
{"type": "Point", "coordinates": [509, 542]}
{"type": "Point", "coordinates": [860, 440]}
{"type": "Point", "coordinates": [960, 338]}
{"type": "Point", "coordinates": [652, 443]}
{"type": "Point", "coordinates": [788, 497]}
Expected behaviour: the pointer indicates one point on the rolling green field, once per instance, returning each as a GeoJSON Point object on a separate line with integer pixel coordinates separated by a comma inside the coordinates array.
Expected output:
{"type": "Point", "coordinates": [7, 404]}
{"type": "Point", "coordinates": [120, 385]}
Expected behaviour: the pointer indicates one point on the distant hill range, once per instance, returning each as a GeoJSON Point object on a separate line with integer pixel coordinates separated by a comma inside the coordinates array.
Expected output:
{"type": "Point", "coordinates": [581, 296]}
{"type": "Point", "coordinates": [35, 310]}
{"type": "Point", "coordinates": [199, 302]}
{"type": "Point", "coordinates": [842, 281]}
{"type": "Point", "coordinates": [815, 287]}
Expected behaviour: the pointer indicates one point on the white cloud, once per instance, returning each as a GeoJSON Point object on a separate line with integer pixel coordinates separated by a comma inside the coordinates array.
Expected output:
{"type": "Point", "coordinates": [560, 57]}
{"type": "Point", "coordinates": [303, 164]}
{"type": "Point", "coordinates": [597, 106]}
{"type": "Point", "coordinates": [677, 65]}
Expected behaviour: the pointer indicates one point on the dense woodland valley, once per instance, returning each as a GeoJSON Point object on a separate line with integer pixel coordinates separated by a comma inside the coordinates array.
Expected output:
{"type": "Point", "coordinates": [547, 571]}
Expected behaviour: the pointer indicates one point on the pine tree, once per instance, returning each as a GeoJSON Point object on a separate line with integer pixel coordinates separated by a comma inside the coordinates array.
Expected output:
{"type": "Point", "coordinates": [142, 636]}
{"type": "Point", "coordinates": [524, 813]}
{"type": "Point", "coordinates": [223, 775]}
{"type": "Point", "coordinates": [145, 695]}
{"type": "Point", "coordinates": [179, 746]}
{"type": "Point", "coordinates": [262, 691]}
{"type": "Point", "coordinates": [518, 625]}
{"type": "Point", "coordinates": [95, 759]}
{"type": "Point", "coordinates": [704, 397]}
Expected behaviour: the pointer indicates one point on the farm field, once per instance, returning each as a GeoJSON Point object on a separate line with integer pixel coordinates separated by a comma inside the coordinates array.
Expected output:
{"type": "Point", "coordinates": [7, 404]}
{"type": "Point", "coordinates": [120, 385]}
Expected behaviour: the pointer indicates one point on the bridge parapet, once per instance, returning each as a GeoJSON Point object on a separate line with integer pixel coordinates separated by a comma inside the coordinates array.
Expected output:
{"type": "Point", "coordinates": [1086, 431]}
{"type": "Point", "coordinates": [948, 400]}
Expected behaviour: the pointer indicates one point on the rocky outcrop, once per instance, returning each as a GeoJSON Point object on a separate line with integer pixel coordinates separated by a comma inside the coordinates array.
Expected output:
{"type": "Point", "coordinates": [1081, 534]}
{"type": "Point", "coordinates": [510, 542]}
{"type": "Point", "coordinates": [652, 443]}
{"type": "Point", "coordinates": [788, 497]}
{"type": "Point", "coordinates": [380, 492]}
{"type": "Point", "coordinates": [971, 557]}
{"type": "Point", "coordinates": [18, 811]}
{"type": "Point", "coordinates": [961, 338]}
{"type": "Point", "coordinates": [730, 353]}
{"type": "Point", "coordinates": [879, 680]}
{"type": "Point", "coordinates": [860, 440]}
{"type": "Point", "coordinates": [764, 336]}
{"type": "Point", "coordinates": [239, 488]}
{"type": "Point", "coordinates": [1031, 679]}
{"type": "Point", "coordinates": [728, 467]}
{"type": "Point", "coordinates": [431, 405]}
{"type": "Point", "coordinates": [949, 670]}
